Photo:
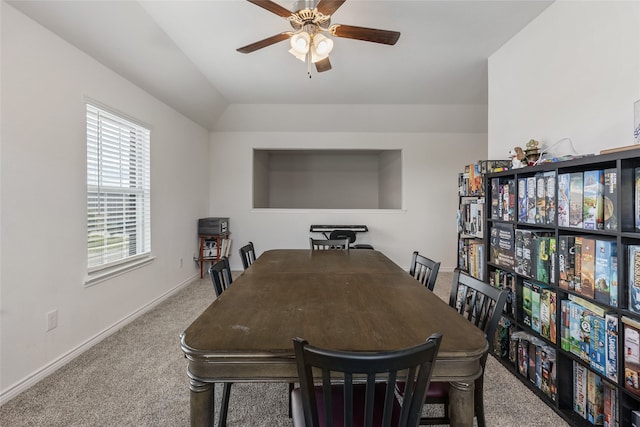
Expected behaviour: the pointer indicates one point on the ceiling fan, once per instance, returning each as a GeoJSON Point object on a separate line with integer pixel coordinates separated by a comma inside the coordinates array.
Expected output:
{"type": "Point", "coordinates": [309, 23]}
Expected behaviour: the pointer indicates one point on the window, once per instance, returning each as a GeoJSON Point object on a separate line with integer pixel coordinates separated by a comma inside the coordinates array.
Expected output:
{"type": "Point", "coordinates": [118, 190]}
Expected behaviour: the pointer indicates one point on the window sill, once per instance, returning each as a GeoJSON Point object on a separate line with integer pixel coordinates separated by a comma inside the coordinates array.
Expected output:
{"type": "Point", "coordinates": [102, 275]}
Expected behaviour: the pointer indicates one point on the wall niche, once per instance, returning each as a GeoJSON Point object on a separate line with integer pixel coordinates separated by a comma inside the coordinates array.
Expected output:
{"type": "Point", "coordinates": [327, 179]}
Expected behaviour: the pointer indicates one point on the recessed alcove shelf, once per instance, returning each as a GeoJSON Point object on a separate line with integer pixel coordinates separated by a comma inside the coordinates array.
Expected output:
{"type": "Point", "coordinates": [327, 179]}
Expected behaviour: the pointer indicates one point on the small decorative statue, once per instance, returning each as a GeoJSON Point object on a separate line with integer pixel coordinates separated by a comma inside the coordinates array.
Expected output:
{"type": "Point", "coordinates": [518, 159]}
{"type": "Point", "coordinates": [532, 151]}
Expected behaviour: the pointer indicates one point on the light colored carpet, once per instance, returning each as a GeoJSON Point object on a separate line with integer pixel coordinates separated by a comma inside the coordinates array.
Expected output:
{"type": "Point", "coordinates": [137, 377]}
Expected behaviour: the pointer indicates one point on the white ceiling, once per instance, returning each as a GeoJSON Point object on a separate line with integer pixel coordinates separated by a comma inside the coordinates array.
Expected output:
{"type": "Point", "coordinates": [184, 52]}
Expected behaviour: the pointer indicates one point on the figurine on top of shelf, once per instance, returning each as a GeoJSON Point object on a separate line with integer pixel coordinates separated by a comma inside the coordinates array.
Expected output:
{"type": "Point", "coordinates": [517, 158]}
{"type": "Point", "coordinates": [532, 151]}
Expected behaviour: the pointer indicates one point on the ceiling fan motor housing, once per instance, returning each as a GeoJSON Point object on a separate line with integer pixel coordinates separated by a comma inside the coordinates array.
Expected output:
{"type": "Point", "coordinates": [306, 18]}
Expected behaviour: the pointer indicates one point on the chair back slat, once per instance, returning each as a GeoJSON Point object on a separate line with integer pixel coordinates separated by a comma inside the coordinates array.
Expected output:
{"type": "Point", "coordinates": [327, 396]}
{"type": "Point", "coordinates": [389, 397]}
{"type": "Point", "coordinates": [348, 400]}
{"type": "Point", "coordinates": [376, 373]}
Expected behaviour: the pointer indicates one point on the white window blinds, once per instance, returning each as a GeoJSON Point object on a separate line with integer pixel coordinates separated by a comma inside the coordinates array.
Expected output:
{"type": "Point", "coordinates": [118, 190]}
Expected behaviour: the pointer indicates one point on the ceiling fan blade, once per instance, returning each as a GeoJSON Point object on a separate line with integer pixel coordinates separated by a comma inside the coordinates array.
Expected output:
{"type": "Point", "coordinates": [328, 7]}
{"type": "Point", "coordinates": [272, 7]}
{"type": "Point", "coordinates": [366, 34]}
{"type": "Point", "coordinates": [323, 65]}
{"type": "Point", "coordinates": [264, 43]}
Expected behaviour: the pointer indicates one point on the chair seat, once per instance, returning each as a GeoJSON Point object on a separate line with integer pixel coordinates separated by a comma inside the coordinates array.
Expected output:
{"type": "Point", "coordinates": [438, 390]}
{"type": "Point", "coordinates": [362, 246]}
{"type": "Point", "coordinates": [337, 402]}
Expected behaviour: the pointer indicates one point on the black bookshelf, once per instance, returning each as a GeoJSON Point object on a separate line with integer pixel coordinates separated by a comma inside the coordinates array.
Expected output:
{"type": "Point", "coordinates": [552, 228]}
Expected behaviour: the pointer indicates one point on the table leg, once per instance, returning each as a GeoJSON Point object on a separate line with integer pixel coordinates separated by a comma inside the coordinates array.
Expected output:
{"type": "Point", "coordinates": [461, 404]}
{"type": "Point", "coordinates": [201, 405]}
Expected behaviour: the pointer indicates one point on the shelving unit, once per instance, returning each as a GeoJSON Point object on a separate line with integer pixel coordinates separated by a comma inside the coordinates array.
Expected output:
{"type": "Point", "coordinates": [471, 216]}
{"type": "Point", "coordinates": [212, 248]}
{"type": "Point", "coordinates": [531, 253]}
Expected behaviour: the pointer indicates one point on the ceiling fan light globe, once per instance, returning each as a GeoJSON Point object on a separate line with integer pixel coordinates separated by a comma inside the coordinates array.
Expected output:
{"type": "Point", "coordinates": [300, 42]}
{"type": "Point", "coordinates": [322, 44]}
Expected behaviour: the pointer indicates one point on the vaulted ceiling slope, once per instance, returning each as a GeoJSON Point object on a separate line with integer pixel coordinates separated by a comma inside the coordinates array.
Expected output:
{"type": "Point", "coordinates": [184, 53]}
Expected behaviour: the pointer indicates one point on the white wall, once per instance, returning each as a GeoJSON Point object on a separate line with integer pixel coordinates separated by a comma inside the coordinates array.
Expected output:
{"type": "Point", "coordinates": [426, 222]}
{"type": "Point", "coordinates": [572, 72]}
{"type": "Point", "coordinates": [390, 180]}
{"type": "Point", "coordinates": [43, 198]}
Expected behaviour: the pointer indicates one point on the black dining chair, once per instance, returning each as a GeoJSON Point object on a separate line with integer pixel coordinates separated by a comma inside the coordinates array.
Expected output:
{"type": "Point", "coordinates": [247, 255]}
{"type": "Point", "coordinates": [483, 305]}
{"type": "Point", "coordinates": [221, 277]}
{"type": "Point", "coordinates": [351, 235]}
{"type": "Point", "coordinates": [364, 392]}
{"type": "Point", "coordinates": [424, 269]}
{"type": "Point", "coordinates": [220, 273]}
{"type": "Point", "coordinates": [329, 244]}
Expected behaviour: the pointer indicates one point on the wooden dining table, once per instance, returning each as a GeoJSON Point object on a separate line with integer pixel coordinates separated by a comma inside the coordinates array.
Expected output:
{"type": "Point", "coordinates": [357, 300]}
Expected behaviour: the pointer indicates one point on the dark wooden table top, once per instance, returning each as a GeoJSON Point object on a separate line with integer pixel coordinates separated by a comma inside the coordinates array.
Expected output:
{"type": "Point", "coordinates": [355, 300]}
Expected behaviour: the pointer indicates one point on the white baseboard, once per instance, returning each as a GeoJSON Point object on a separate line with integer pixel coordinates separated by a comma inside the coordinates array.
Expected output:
{"type": "Point", "coordinates": [47, 370]}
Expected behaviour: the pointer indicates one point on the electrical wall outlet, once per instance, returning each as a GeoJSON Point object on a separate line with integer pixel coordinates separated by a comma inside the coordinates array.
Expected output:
{"type": "Point", "coordinates": [52, 320]}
